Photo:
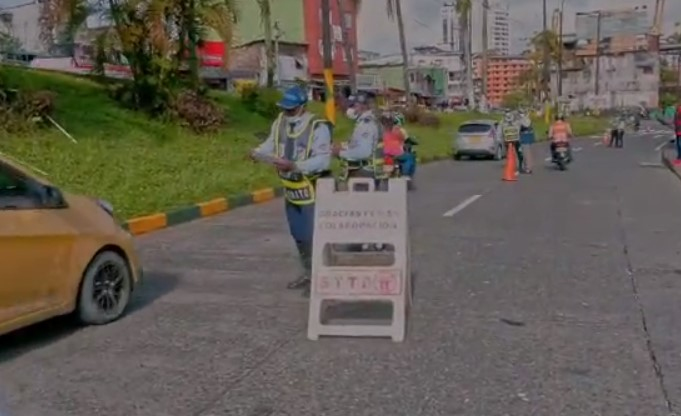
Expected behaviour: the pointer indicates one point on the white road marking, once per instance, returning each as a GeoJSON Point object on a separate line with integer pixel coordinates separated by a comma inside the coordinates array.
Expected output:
{"type": "Point", "coordinates": [452, 212]}
{"type": "Point", "coordinates": [598, 144]}
{"type": "Point", "coordinates": [650, 165]}
{"type": "Point", "coordinates": [661, 145]}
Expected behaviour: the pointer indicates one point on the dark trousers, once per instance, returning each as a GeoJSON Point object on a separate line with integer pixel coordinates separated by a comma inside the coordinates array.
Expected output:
{"type": "Point", "coordinates": [678, 146]}
{"type": "Point", "coordinates": [518, 153]}
{"type": "Point", "coordinates": [301, 225]}
{"type": "Point", "coordinates": [616, 138]}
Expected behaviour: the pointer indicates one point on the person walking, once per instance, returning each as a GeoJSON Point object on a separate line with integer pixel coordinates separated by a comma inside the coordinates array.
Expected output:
{"type": "Point", "coordinates": [299, 147]}
{"type": "Point", "coordinates": [677, 131]}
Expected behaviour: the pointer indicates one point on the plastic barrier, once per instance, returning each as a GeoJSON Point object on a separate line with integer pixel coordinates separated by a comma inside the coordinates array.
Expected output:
{"type": "Point", "coordinates": [361, 254]}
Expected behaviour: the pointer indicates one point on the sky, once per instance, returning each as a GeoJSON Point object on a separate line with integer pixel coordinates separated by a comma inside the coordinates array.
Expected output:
{"type": "Point", "coordinates": [422, 20]}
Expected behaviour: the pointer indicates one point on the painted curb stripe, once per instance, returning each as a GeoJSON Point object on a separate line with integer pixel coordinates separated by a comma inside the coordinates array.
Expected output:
{"type": "Point", "coordinates": [141, 225]}
{"type": "Point", "coordinates": [213, 207]}
{"type": "Point", "coordinates": [263, 195]}
{"type": "Point", "coordinates": [149, 223]}
{"type": "Point", "coordinates": [181, 215]}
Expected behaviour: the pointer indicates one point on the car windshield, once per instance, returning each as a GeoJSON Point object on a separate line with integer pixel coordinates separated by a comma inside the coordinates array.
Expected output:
{"type": "Point", "coordinates": [475, 128]}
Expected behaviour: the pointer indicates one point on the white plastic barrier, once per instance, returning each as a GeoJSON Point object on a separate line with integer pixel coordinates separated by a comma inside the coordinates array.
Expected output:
{"type": "Point", "coordinates": [356, 217]}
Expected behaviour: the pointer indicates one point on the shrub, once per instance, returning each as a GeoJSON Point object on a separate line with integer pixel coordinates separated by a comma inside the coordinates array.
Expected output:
{"type": "Point", "coordinates": [416, 115]}
{"type": "Point", "coordinates": [260, 100]}
{"type": "Point", "coordinates": [197, 112]}
{"type": "Point", "coordinates": [20, 111]}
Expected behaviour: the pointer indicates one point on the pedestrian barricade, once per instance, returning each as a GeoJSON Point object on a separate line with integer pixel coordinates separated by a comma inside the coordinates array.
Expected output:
{"type": "Point", "coordinates": [361, 256]}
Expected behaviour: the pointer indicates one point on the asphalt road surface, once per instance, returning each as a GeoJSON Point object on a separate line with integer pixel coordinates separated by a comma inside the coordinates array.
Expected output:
{"type": "Point", "coordinates": [557, 295]}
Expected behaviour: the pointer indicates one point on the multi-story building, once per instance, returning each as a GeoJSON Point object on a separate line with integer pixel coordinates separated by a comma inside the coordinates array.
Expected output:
{"type": "Point", "coordinates": [298, 36]}
{"type": "Point", "coordinates": [435, 57]}
{"type": "Point", "coordinates": [428, 84]}
{"type": "Point", "coordinates": [498, 27]}
{"type": "Point", "coordinates": [451, 33]}
{"type": "Point", "coordinates": [503, 72]}
{"type": "Point", "coordinates": [22, 22]}
{"type": "Point", "coordinates": [619, 68]}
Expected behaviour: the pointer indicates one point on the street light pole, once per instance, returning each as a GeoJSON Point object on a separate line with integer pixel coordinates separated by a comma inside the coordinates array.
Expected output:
{"type": "Point", "coordinates": [598, 53]}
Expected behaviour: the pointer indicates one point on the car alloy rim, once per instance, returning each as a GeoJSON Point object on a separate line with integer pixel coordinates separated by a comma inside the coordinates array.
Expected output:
{"type": "Point", "coordinates": [108, 287]}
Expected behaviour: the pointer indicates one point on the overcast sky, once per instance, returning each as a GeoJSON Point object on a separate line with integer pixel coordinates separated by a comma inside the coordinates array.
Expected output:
{"type": "Point", "coordinates": [422, 20]}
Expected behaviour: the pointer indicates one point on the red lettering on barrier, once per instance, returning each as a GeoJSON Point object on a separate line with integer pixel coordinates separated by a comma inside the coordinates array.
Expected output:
{"type": "Point", "coordinates": [362, 282]}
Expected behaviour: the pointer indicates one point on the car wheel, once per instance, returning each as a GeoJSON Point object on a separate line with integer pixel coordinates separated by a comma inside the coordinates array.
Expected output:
{"type": "Point", "coordinates": [457, 156]}
{"type": "Point", "coordinates": [499, 154]}
{"type": "Point", "coordinates": [105, 289]}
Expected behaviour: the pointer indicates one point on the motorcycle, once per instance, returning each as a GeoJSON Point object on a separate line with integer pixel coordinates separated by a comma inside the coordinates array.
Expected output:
{"type": "Point", "coordinates": [561, 156]}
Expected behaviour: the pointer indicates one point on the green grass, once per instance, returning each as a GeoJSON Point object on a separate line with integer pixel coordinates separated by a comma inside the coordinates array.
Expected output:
{"type": "Point", "coordinates": [144, 166]}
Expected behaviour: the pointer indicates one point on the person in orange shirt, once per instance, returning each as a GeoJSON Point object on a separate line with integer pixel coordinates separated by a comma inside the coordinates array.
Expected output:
{"type": "Point", "coordinates": [560, 132]}
{"type": "Point", "coordinates": [393, 139]}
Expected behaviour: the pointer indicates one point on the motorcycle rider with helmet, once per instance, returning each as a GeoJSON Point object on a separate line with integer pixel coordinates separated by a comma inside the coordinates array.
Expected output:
{"type": "Point", "coordinates": [559, 133]}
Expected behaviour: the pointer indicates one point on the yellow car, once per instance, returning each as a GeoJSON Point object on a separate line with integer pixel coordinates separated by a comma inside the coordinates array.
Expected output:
{"type": "Point", "coordinates": [60, 253]}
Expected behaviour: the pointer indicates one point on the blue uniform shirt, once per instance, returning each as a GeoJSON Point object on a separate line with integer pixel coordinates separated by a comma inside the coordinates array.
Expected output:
{"type": "Point", "coordinates": [320, 149]}
{"type": "Point", "coordinates": [363, 140]}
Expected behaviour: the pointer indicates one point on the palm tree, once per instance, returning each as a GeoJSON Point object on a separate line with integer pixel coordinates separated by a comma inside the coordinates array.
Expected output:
{"type": "Point", "coordinates": [463, 9]}
{"type": "Point", "coordinates": [266, 21]}
{"type": "Point", "coordinates": [394, 11]}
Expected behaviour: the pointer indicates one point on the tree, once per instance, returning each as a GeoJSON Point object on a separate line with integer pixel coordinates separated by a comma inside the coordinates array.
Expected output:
{"type": "Point", "coordinates": [463, 9]}
{"type": "Point", "coordinates": [153, 36]}
{"type": "Point", "coordinates": [347, 44]}
{"type": "Point", "coordinates": [394, 11]}
{"type": "Point", "coordinates": [9, 43]}
{"type": "Point", "coordinates": [266, 21]}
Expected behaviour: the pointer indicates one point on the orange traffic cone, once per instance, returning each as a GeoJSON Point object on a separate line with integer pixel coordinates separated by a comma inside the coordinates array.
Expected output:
{"type": "Point", "coordinates": [510, 171]}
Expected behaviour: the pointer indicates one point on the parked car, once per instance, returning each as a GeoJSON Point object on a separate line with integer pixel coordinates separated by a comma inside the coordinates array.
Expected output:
{"type": "Point", "coordinates": [61, 254]}
{"type": "Point", "coordinates": [479, 138]}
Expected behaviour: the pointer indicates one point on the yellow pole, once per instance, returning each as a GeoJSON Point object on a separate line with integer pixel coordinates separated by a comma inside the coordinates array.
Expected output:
{"type": "Point", "coordinates": [327, 46]}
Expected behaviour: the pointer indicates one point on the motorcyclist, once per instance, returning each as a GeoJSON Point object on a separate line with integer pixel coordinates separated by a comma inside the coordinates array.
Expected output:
{"type": "Point", "coordinates": [560, 132]}
{"type": "Point", "coordinates": [393, 140]}
{"type": "Point", "coordinates": [510, 130]}
{"type": "Point", "coordinates": [408, 159]}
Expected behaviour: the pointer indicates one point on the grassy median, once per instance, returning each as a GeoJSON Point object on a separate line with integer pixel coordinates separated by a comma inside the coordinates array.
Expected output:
{"type": "Point", "coordinates": [143, 166]}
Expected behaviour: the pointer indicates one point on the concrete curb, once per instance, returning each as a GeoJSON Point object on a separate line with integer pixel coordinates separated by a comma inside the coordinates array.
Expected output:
{"type": "Point", "coordinates": [153, 222]}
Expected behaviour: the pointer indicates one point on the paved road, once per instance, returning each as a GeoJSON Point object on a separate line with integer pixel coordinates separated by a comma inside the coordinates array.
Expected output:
{"type": "Point", "coordinates": [556, 295]}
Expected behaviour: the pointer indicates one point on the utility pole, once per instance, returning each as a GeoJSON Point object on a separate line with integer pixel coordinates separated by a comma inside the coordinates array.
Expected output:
{"type": "Point", "coordinates": [560, 49]}
{"type": "Point", "coordinates": [546, 64]}
{"type": "Point", "coordinates": [485, 46]}
{"type": "Point", "coordinates": [452, 12]}
{"type": "Point", "coordinates": [348, 47]}
{"type": "Point", "coordinates": [277, 35]}
{"type": "Point", "coordinates": [328, 62]}
{"type": "Point", "coordinates": [598, 54]}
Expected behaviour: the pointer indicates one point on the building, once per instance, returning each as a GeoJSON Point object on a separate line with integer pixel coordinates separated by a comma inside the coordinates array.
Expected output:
{"type": "Point", "coordinates": [619, 68]}
{"type": "Point", "coordinates": [451, 32]}
{"type": "Point", "coordinates": [427, 84]}
{"type": "Point", "coordinates": [498, 27]}
{"type": "Point", "coordinates": [503, 73]}
{"type": "Point", "coordinates": [22, 22]}
{"type": "Point", "coordinates": [367, 55]}
{"type": "Point", "coordinates": [435, 57]}
{"type": "Point", "coordinates": [298, 34]}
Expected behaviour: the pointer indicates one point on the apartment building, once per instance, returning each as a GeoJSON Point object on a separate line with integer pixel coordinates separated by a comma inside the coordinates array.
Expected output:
{"type": "Point", "coordinates": [22, 22]}
{"type": "Point", "coordinates": [612, 61]}
{"type": "Point", "coordinates": [503, 72]}
{"type": "Point", "coordinates": [498, 27]}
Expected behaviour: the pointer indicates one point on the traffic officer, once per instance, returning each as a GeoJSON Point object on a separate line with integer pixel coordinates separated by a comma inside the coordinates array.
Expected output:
{"type": "Point", "coordinates": [510, 131]}
{"type": "Point", "coordinates": [363, 156]}
{"type": "Point", "coordinates": [299, 147]}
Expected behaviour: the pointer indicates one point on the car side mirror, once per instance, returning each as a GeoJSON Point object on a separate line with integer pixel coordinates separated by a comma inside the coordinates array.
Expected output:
{"type": "Point", "coordinates": [52, 197]}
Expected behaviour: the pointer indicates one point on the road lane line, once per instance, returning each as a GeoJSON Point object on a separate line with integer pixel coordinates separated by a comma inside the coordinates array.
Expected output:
{"type": "Point", "coordinates": [452, 212]}
{"type": "Point", "coordinates": [661, 145]}
{"type": "Point", "coordinates": [598, 144]}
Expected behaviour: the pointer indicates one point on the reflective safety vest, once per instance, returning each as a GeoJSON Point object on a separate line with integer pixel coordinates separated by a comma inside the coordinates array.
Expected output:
{"type": "Point", "coordinates": [298, 188]}
{"type": "Point", "coordinates": [375, 164]}
{"type": "Point", "coordinates": [510, 132]}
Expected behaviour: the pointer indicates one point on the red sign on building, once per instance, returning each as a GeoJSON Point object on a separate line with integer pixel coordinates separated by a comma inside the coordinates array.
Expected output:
{"type": "Point", "coordinates": [313, 36]}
